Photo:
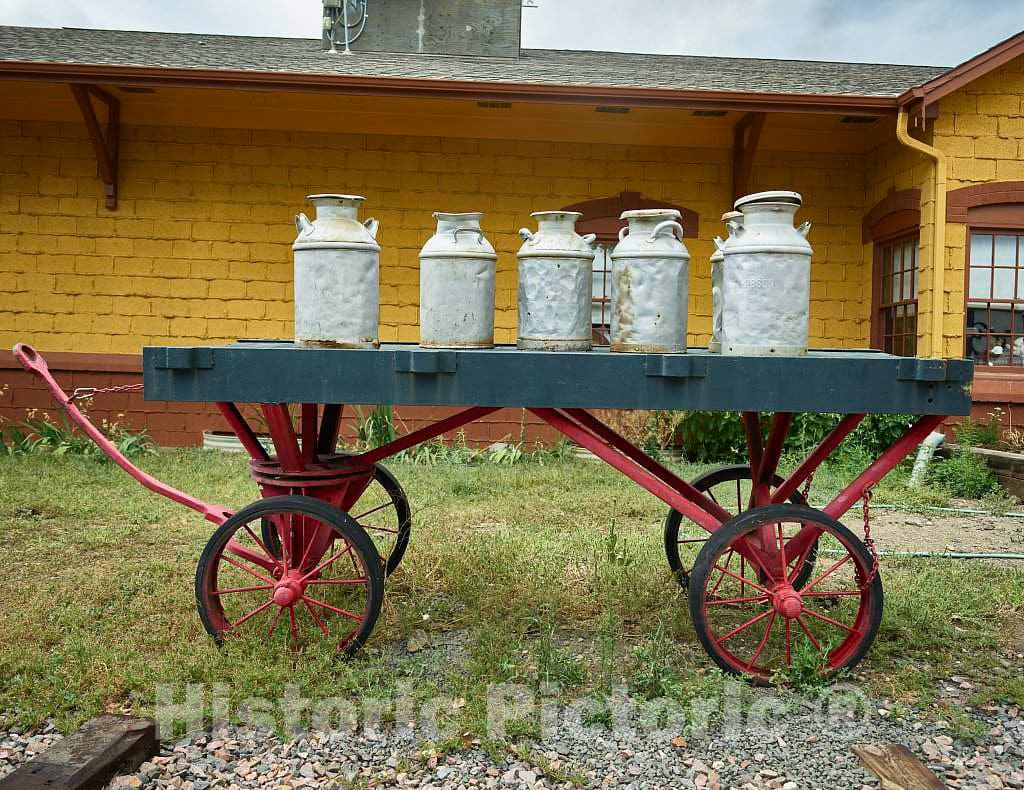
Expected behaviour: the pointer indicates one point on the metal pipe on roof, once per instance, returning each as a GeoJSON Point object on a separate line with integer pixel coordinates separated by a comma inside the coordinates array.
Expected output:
{"type": "Point", "coordinates": [938, 231]}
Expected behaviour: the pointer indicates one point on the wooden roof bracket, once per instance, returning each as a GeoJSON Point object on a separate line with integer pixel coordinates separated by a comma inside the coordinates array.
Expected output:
{"type": "Point", "coordinates": [105, 145]}
{"type": "Point", "coordinates": [746, 136]}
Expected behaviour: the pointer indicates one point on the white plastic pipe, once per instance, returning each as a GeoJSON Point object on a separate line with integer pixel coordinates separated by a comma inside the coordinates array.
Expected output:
{"type": "Point", "coordinates": [924, 457]}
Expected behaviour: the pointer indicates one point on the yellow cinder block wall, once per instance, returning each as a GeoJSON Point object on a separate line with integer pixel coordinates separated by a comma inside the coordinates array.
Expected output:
{"type": "Point", "coordinates": [980, 128]}
{"type": "Point", "coordinates": [199, 248]}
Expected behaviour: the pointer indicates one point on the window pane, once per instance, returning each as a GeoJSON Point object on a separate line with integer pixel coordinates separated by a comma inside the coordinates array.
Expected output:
{"type": "Point", "coordinates": [900, 324]}
{"type": "Point", "coordinates": [1006, 251]}
{"type": "Point", "coordinates": [1000, 317]}
{"type": "Point", "coordinates": [909, 253]}
{"type": "Point", "coordinates": [981, 249]}
{"type": "Point", "coordinates": [887, 318]}
{"type": "Point", "coordinates": [981, 283]}
{"type": "Point", "coordinates": [886, 288]}
{"type": "Point", "coordinates": [1004, 285]}
{"type": "Point", "coordinates": [897, 292]}
{"type": "Point", "coordinates": [908, 284]}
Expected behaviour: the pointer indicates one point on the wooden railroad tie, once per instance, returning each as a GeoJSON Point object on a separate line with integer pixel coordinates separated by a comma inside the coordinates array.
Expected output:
{"type": "Point", "coordinates": [896, 767]}
{"type": "Point", "coordinates": [89, 758]}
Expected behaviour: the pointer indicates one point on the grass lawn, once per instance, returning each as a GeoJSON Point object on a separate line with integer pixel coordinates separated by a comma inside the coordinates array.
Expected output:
{"type": "Point", "coordinates": [552, 572]}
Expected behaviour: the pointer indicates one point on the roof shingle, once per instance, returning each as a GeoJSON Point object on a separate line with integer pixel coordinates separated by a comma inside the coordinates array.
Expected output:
{"type": "Point", "coordinates": [535, 66]}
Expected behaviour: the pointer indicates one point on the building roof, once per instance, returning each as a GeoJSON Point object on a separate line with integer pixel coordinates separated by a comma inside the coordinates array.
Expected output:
{"type": "Point", "coordinates": [73, 47]}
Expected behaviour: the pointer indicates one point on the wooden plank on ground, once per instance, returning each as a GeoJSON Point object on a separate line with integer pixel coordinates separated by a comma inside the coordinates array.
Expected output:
{"type": "Point", "coordinates": [89, 758]}
{"type": "Point", "coordinates": [896, 767]}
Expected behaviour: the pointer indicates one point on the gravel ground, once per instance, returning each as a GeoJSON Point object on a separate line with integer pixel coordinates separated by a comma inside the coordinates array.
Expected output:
{"type": "Point", "coordinates": [805, 749]}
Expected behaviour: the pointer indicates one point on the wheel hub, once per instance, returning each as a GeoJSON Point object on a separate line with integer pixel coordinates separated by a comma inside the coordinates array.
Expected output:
{"type": "Point", "coordinates": [288, 591]}
{"type": "Point", "coordinates": [787, 602]}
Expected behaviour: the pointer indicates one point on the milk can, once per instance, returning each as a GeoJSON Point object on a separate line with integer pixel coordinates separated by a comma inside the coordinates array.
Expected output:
{"type": "Point", "coordinates": [457, 274]}
{"type": "Point", "coordinates": [650, 284]}
{"type": "Point", "coordinates": [715, 346]}
{"type": "Point", "coordinates": [337, 275]}
{"type": "Point", "coordinates": [766, 278]}
{"type": "Point", "coordinates": [555, 284]}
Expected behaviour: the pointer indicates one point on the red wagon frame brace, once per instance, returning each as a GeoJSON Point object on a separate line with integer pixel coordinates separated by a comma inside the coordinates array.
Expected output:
{"type": "Point", "coordinates": [774, 580]}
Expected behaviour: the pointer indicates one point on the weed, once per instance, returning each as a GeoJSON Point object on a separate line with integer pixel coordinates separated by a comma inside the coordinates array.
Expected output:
{"type": "Point", "coordinates": [654, 672]}
{"type": "Point", "coordinates": [42, 434]}
{"type": "Point", "coordinates": [965, 475]}
{"type": "Point", "coordinates": [555, 665]}
{"type": "Point", "coordinates": [806, 674]}
{"type": "Point", "coordinates": [962, 725]}
{"type": "Point", "coordinates": [975, 433]}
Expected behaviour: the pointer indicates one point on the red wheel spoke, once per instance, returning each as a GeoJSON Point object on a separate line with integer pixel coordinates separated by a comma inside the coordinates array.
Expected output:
{"type": "Point", "coordinates": [335, 609]}
{"type": "Point", "coordinates": [800, 560]}
{"type": "Point", "coordinates": [782, 552]}
{"type": "Point", "coordinates": [726, 601]}
{"type": "Point", "coordinates": [316, 617]}
{"type": "Point", "coordinates": [829, 620]}
{"type": "Point", "coordinates": [259, 542]}
{"type": "Point", "coordinates": [308, 539]}
{"type": "Point", "coordinates": [346, 582]}
{"type": "Point", "coordinates": [277, 618]}
{"type": "Point", "coordinates": [721, 576]}
{"type": "Point", "coordinates": [247, 569]}
{"type": "Point", "coordinates": [234, 590]}
{"type": "Point", "coordinates": [789, 644]}
{"type": "Point", "coordinates": [747, 581]}
{"type": "Point", "coordinates": [317, 570]}
{"type": "Point", "coordinates": [746, 625]}
{"type": "Point", "coordinates": [253, 613]}
{"type": "Point", "coordinates": [294, 625]}
{"type": "Point", "coordinates": [764, 640]}
{"type": "Point", "coordinates": [814, 641]}
{"type": "Point", "coordinates": [756, 558]}
{"type": "Point", "coordinates": [374, 510]}
{"type": "Point", "coordinates": [829, 572]}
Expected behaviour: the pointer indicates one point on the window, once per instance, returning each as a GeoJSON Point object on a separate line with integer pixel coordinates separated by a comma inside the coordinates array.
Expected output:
{"type": "Point", "coordinates": [995, 298]}
{"type": "Point", "coordinates": [896, 317]}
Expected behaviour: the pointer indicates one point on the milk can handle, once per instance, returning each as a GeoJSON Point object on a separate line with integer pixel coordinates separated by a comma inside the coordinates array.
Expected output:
{"type": "Point", "coordinates": [623, 231]}
{"type": "Point", "coordinates": [589, 239]}
{"type": "Point", "coordinates": [804, 229]}
{"type": "Point", "coordinates": [677, 230]}
{"type": "Point", "coordinates": [525, 235]}
{"type": "Point", "coordinates": [302, 223]}
{"type": "Point", "coordinates": [480, 234]}
{"type": "Point", "coordinates": [373, 226]}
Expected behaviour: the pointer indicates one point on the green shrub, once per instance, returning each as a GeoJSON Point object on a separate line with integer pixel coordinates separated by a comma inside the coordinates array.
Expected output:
{"type": "Point", "coordinates": [43, 435]}
{"type": "Point", "coordinates": [718, 437]}
{"type": "Point", "coordinates": [964, 475]}
{"type": "Point", "coordinates": [974, 433]}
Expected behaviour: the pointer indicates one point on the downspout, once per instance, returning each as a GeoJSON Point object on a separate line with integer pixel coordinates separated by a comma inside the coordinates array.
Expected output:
{"type": "Point", "coordinates": [939, 229]}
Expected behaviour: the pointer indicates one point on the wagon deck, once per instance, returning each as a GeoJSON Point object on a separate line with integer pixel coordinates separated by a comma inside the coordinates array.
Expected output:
{"type": "Point", "coordinates": [828, 381]}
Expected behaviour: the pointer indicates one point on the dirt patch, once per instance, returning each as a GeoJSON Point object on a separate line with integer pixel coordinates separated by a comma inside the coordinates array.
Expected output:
{"type": "Point", "coordinates": [898, 531]}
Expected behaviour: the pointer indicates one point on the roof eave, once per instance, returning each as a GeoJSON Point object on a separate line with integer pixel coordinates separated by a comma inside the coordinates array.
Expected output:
{"type": "Point", "coordinates": [742, 101]}
{"type": "Point", "coordinates": [919, 98]}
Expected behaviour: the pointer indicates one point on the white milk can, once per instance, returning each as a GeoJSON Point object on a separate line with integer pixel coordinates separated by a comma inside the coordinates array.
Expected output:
{"type": "Point", "coordinates": [715, 345]}
{"type": "Point", "coordinates": [555, 284]}
{"type": "Point", "coordinates": [457, 276]}
{"type": "Point", "coordinates": [337, 275]}
{"type": "Point", "coordinates": [766, 278]}
{"type": "Point", "coordinates": [650, 284]}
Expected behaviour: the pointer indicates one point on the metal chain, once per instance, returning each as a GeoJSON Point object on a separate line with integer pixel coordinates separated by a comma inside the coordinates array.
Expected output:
{"type": "Point", "coordinates": [807, 488]}
{"type": "Point", "coordinates": [88, 392]}
{"type": "Point", "coordinates": [868, 540]}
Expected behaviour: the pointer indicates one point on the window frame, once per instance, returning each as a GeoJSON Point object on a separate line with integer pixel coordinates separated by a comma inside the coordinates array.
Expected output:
{"type": "Point", "coordinates": [994, 226]}
{"type": "Point", "coordinates": [879, 245]}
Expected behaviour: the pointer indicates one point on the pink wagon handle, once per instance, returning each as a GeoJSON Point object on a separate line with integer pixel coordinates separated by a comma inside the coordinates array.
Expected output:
{"type": "Point", "coordinates": [33, 362]}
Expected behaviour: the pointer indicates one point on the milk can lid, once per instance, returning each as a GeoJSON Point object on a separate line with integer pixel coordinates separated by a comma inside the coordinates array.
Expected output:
{"type": "Point", "coordinates": [776, 196]}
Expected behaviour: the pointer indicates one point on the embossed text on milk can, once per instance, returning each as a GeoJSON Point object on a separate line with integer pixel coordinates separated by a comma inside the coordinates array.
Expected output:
{"type": "Point", "coordinates": [457, 282]}
{"type": "Point", "coordinates": [555, 284]}
{"type": "Point", "coordinates": [766, 278]}
{"type": "Point", "coordinates": [650, 284]}
{"type": "Point", "coordinates": [717, 258]}
{"type": "Point", "coordinates": [337, 275]}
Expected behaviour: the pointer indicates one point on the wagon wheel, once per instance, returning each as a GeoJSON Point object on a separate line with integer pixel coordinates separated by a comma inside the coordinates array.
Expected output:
{"type": "Point", "coordinates": [724, 485]}
{"type": "Point", "coordinates": [383, 511]}
{"type": "Point", "coordinates": [327, 590]}
{"type": "Point", "coordinates": [759, 622]}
